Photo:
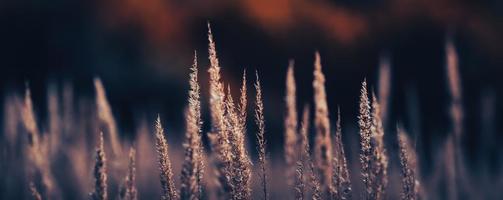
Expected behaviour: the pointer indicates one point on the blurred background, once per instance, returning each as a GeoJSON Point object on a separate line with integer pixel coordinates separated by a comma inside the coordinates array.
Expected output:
{"type": "Point", "coordinates": [142, 51]}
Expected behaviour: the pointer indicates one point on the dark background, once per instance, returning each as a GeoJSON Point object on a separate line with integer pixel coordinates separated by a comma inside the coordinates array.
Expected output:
{"type": "Point", "coordinates": [142, 51]}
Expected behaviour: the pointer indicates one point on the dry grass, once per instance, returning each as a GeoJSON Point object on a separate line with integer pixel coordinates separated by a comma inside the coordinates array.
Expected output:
{"type": "Point", "coordinates": [323, 143]}
{"type": "Point", "coordinates": [290, 124]}
{"type": "Point", "coordinates": [37, 148]}
{"type": "Point", "coordinates": [306, 157]}
{"type": "Point", "coordinates": [106, 117]}
{"type": "Point", "coordinates": [129, 191]}
{"type": "Point", "coordinates": [218, 135]}
{"type": "Point", "coordinates": [457, 116]}
{"type": "Point", "coordinates": [408, 162]}
{"type": "Point", "coordinates": [324, 174]}
{"type": "Point", "coordinates": [192, 170]}
{"type": "Point", "coordinates": [100, 172]}
{"type": "Point", "coordinates": [169, 191]}
{"type": "Point", "coordinates": [240, 166]}
{"type": "Point", "coordinates": [365, 124]}
{"type": "Point", "coordinates": [302, 150]}
{"type": "Point", "coordinates": [261, 148]}
{"type": "Point", "coordinates": [300, 190]}
{"type": "Point", "coordinates": [384, 86]}
{"type": "Point", "coordinates": [341, 182]}
{"type": "Point", "coordinates": [379, 161]}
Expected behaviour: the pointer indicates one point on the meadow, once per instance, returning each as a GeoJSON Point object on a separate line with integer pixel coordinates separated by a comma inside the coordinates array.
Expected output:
{"type": "Point", "coordinates": [80, 153]}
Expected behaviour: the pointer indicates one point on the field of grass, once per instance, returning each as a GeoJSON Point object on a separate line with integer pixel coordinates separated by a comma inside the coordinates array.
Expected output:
{"type": "Point", "coordinates": [79, 153]}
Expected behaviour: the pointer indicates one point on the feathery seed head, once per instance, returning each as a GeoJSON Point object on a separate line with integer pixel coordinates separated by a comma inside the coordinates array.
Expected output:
{"type": "Point", "coordinates": [365, 124]}
{"type": "Point", "coordinates": [100, 172]}
{"type": "Point", "coordinates": [105, 115]}
{"type": "Point", "coordinates": [379, 161]}
{"type": "Point", "coordinates": [323, 143]}
{"type": "Point", "coordinates": [128, 190]}
{"type": "Point", "coordinates": [192, 169]}
{"type": "Point", "coordinates": [408, 162]}
{"type": "Point", "coordinates": [341, 183]}
{"type": "Point", "coordinates": [259, 119]}
{"type": "Point", "coordinates": [166, 175]}
{"type": "Point", "coordinates": [290, 123]}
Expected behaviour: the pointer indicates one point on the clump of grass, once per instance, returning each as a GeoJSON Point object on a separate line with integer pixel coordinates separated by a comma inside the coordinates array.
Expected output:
{"type": "Point", "coordinates": [106, 117]}
{"type": "Point", "coordinates": [240, 168]}
{"type": "Point", "coordinates": [243, 169]}
{"type": "Point", "coordinates": [290, 124]}
{"type": "Point", "coordinates": [100, 172]}
{"type": "Point", "coordinates": [259, 120]}
{"type": "Point", "coordinates": [167, 182]}
{"type": "Point", "coordinates": [192, 170]}
{"type": "Point", "coordinates": [408, 162]}
{"type": "Point", "coordinates": [323, 143]}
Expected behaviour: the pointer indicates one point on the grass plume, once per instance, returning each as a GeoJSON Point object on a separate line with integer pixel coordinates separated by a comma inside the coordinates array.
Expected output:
{"type": "Point", "coordinates": [455, 90]}
{"type": "Point", "coordinates": [243, 102]}
{"type": "Point", "coordinates": [290, 123]}
{"type": "Point", "coordinates": [129, 191]}
{"type": "Point", "coordinates": [192, 170]}
{"type": "Point", "coordinates": [306, 156]}
{"type": "Point", "coordinates": [385, 77]}
{"type": "Point", "coordinates": [341, 183]}
{"type": "Point", "coordinates": [408, 162]}
{"type": "Point", "coordinates": [259, 120]}
{"type": "Point", "coordinates": [300, 169]}
{"type": "Point", "coordinates": [240, 169]}
{"type": "Point", "coordinates": [167, 182]}
{"type": "Point", "coordinates": [299, 180]}
{"type": "Point", "coordinates": [365, 124]}
{"type": "Point", "coordinates": [218, 137]}
{"type": "Point", "coordinates": [29, 121]}
{"type": "Point", "coordinates": [323, 144]}
{"type": "Point", "coordinates": [106, 117]}
{"type": "Point", "coordinates": [379, 161]}
{"type": "Point", "coordinates": [100, 172]}
{"type": "Point", "coordinates": [37, 148]}
{"type": "Point", "coordinates": [456, 113]}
